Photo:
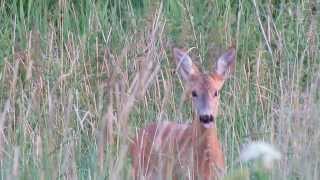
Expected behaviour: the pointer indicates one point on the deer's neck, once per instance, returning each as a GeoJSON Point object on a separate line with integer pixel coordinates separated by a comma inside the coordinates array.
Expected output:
{"type": "Point", "coordinates": [207, 148]}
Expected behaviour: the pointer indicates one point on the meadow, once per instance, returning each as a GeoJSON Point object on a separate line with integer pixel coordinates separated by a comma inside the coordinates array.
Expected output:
{"type": "Point", "coordinates": [79, 78]}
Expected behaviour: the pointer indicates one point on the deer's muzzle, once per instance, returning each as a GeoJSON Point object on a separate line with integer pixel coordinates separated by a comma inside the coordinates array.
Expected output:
{"type": "Point", "coordinates": [207, 121]}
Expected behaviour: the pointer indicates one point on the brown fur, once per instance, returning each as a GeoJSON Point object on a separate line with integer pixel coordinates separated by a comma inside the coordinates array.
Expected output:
{"type": "Point", "coordinates": [179, 143]}
{"type": "Point", "coordinates": [185, 151]}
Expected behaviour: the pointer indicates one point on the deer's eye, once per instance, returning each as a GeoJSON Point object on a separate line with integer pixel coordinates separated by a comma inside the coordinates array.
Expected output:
{"type": "Point", "coordinates": [194, 94]}
{"type": "Point", "coordinates": [215, 94]}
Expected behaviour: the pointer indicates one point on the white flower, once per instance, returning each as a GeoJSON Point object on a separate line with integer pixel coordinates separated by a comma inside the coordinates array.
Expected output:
{"type": "Point", "coordinates": [260, 150]}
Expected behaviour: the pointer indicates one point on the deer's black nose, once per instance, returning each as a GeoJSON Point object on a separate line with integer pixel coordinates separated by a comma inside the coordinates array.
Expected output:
{"type": "Point", "coordinates": [206, 118]}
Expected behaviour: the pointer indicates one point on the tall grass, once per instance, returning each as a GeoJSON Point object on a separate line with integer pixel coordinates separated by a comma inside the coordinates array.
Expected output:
{"type": "Point", "coordinates": [78, 78]}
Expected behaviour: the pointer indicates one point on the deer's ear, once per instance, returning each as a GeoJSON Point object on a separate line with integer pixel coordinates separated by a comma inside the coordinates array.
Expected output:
{"type": "Point", "coordinates": [225, 63]}
{"type": "Point", "coordinates": [184, 64]}
{"type": "Point", "coordinates": [223, 67]}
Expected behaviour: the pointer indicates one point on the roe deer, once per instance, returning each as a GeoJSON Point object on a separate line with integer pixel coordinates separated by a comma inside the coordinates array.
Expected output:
{"type": "Point", "coordinates": [170, 150]}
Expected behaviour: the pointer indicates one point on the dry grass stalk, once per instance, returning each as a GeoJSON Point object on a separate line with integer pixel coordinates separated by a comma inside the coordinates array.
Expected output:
{"type": "Point", "coordinates": [69, 167]}
{"type": "Point", "coordinates": [127, 94]}
{"type": "Point", "coordinates": [312, 32]}
{"type": "Point", "coordinates": [106, 134]}
{"type": "Point", "coordinates": [2, 124]}
{"type": "Point", "coordinates": [298, 115]}
{"type": "Point", "coordinates": [15, 167]}
{"type": "Point", "coordinates": [39, 155]}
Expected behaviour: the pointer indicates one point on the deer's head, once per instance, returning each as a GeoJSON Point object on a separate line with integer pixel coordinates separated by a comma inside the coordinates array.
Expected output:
{"type": "Point", "coordinates": [204, 87]}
